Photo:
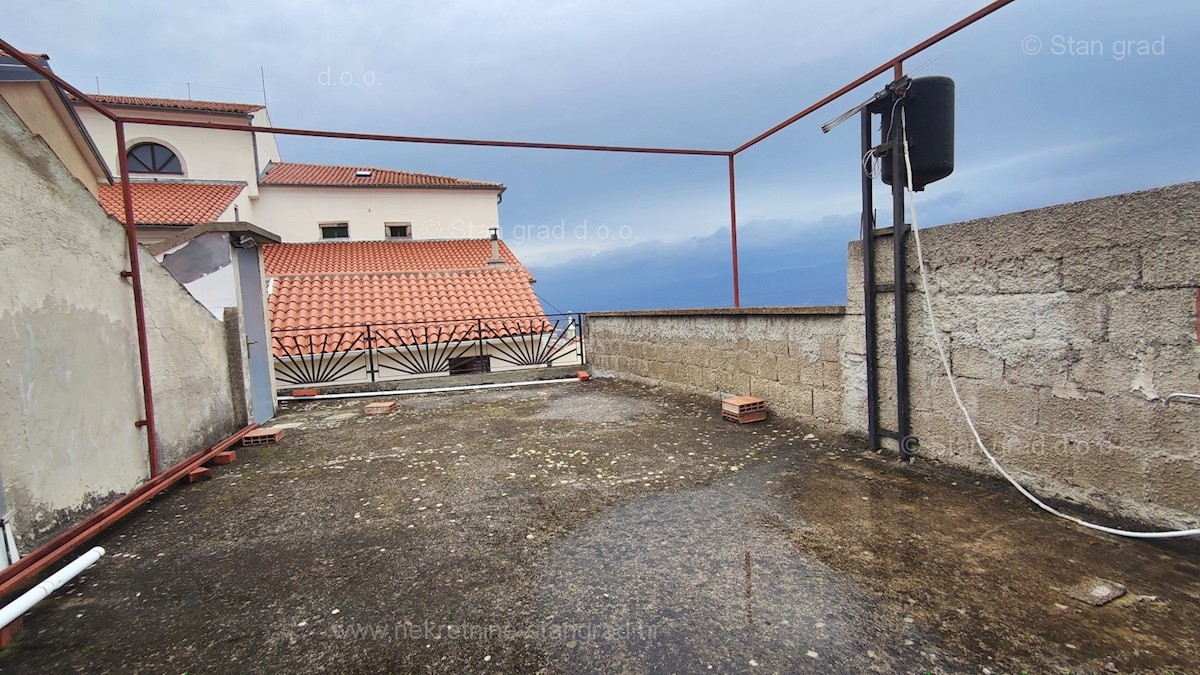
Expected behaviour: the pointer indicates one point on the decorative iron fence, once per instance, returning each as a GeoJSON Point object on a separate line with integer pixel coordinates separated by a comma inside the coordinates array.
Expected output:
{"type": "Point", "coordinates": [378, 352]}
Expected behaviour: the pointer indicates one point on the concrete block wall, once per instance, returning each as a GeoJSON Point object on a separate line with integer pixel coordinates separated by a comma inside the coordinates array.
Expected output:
{"type": "Point", "coordinates": [1066, 326]}
{"type": "Point", "coordinates": [789, 356]}
{"type": "Point", "coordinates": [70, 388]}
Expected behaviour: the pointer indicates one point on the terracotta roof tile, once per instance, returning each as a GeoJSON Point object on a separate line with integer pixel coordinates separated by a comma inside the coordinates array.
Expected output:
{"type": "Point", "coordinates": [315, 314]}
{"type": "Point", "coordinates": [176, 103]}
{"type": "Point", "coordinates": [291, 173]}
{"type": "Point", "coordinates": [171, 202]}
{"type": "Point", "coordinates": [366, 257]}
{"type": "Point", "coordinates": [416, 292]}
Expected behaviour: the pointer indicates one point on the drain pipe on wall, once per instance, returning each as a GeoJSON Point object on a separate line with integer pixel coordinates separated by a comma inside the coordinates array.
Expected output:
{"type": "Point", "coordinates": [13, 610]}
{"type": "Point", "coordinates": [432, 390]}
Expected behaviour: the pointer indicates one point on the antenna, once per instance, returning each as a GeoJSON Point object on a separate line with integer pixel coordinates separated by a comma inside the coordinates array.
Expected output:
{"type": "Point", "coordinates": [262, 75]}
{"type": "Point", "coordinates": [831, 124]}
{"type": "Point", "coordinates": [897, 88]}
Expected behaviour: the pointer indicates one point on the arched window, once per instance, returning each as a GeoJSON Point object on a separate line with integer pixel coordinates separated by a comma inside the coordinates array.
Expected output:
{"type": "Point", "coordinates": [153, 158]}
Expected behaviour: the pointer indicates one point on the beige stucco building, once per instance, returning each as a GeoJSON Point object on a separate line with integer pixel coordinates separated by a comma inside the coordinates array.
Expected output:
{"type": "Point", "coordinates": [299, 202]}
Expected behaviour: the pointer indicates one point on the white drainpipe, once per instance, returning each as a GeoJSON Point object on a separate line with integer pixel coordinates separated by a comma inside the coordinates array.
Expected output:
{"type": "Point", "coordinates": [40, 592]}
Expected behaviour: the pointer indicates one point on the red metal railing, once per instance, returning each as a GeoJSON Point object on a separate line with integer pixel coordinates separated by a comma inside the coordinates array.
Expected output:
{"type": "Point", "coordinates": [134, 273]}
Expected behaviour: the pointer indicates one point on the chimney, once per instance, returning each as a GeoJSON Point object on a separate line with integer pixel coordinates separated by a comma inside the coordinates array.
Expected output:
{"type": "Point", "coordinates": [496, 259]}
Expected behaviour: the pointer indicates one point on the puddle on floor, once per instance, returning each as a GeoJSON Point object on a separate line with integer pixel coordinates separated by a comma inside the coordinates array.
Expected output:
{"type": "Point", "coordinates": [594, 408]}
{"type": "Point", "coordinates": [660, 585]}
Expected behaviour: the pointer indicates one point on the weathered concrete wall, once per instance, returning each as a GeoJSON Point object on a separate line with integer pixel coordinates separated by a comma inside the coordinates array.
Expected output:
{"type": "Point", "coordinates": [196, 403]}
{"type": "Point", "coordinates": [789, 356]}
{"type": "Point", "coordinates": [1065, 325]}
{"type": "Point", "coordinates": [69, 378]}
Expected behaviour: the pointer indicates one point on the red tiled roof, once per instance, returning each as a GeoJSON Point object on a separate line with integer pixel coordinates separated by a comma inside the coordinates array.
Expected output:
{"type": "Point", "coordinates": [406, 297]}
{"type": "Point", "coordinates": [292, 173]}
{"type": "Point", "coordinates": [370, 257]}
{"type": "Point", "coordinates": [176, 103]}
{"type": "Point", "coordinates": [417, 292]}
{"type": "Point", "coordinates": [171, 202]}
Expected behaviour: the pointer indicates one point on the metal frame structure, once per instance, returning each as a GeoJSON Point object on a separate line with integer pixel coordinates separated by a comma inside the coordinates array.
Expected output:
{"type": "Point", "coordinates": [12, 577]}
{"type": "Point", "coordinates": [899, 288]}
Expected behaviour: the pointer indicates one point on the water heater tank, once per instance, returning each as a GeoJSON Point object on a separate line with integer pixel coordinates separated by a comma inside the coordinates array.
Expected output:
{"type": "Point", "coordinates": [929, 114]}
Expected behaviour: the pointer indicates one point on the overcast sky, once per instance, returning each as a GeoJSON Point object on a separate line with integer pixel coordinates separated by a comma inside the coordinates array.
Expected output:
{"type": "Point", "coordinates": [1056, 102]}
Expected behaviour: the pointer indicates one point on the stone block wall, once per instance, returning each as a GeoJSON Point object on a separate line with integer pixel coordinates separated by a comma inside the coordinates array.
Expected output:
{"type": "Point", "coordinates": [1066, 327]}
{"type": "Point", "coordinates": [789, 356]}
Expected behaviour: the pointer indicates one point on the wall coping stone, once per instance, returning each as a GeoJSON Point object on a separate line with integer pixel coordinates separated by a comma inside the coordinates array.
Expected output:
{"type": "Point", "coordinates": [820, 310]}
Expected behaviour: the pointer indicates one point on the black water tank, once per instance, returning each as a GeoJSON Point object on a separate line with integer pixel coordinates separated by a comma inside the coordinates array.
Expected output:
{"type": "Point", "coordinates": [929, 114]}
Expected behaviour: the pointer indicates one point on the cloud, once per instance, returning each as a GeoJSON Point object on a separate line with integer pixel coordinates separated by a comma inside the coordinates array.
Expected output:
{"type": "Point", "coordinates": [783, 262]}
{"type": "Point", "coordinates": [1031, 130]}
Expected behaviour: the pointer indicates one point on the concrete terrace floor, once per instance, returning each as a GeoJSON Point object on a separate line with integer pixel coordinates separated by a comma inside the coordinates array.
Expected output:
{"type": "Point", "coordinates": [601, 527]}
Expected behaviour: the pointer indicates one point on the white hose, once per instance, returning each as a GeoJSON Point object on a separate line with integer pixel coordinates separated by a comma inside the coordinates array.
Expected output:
{"type": "Point", "coordinates": [33, 596]}
{"type": "Point", "coordinates": [937, 338]}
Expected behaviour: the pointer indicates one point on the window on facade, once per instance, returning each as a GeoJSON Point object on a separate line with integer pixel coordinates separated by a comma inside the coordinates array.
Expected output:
{"type": "Point", "coordinates": [398, 230]}
{"type": "Point", "coordinates": [466, 365]}
{"type": "Point", "coordinates": [335, 230]}
{"type": "Point", "coordinates": [153, 158]}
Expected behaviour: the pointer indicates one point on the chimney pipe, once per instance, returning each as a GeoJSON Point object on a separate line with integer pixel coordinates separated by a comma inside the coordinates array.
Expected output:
{"type": "Point", "coordinates": [496, 259]}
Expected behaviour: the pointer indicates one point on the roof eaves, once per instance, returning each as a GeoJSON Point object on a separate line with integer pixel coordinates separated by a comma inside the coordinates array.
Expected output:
{"type": "Point", "coordinates": [449, 270]}
{"type": "Point", "coordinates": [390, 186]}
{"type": "Point", "coordinates": [107, 100]}
{"type": "Point", "coordinates": [95, 151]}
{"type": "Point", "coordinates": [160, 108]}
{"type": "Point", "coordinates": [255, 232]}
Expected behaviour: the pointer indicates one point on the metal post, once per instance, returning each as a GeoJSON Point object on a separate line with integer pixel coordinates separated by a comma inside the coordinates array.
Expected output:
{"type": "Point", "coordinates": [479, 336]}
{"type": "Point", "coordinates": [139, 305]}
{"type": "Point", "coordinates": [900, 287]}
{"type": "Point", "coordinates": [579, 334]}
{"type": "Point", "coordinates": [370, 353]}
{"type": "Point", "coordinates": [868, 260]}
{"type": "Point", "coordinates": [737, 299]}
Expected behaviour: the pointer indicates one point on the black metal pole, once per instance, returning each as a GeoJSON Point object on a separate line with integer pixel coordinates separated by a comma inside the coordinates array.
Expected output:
{"type": "Point", "coordinates": [900, 294]}
{"type": "Point", "coordinates": [579, 332]}
{"type": "Point", "coordinates": [370, 354]}
{"type": "Point", "coordinates": [479, 336]}
{"type": "Point", "coordinates": [868, 259]}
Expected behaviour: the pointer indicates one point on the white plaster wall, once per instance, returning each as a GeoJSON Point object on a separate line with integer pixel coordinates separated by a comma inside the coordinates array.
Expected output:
{"type": "Point", "coordinates": [69, 375]}
{"type": "Point", "coordinates": [216, 291]}
{"type": "Point", "coordinates": [294, 213]}
{"type": "Point", "coordinates": [206, 154]}
{"type": "Point", "coordinates": [268, 149]}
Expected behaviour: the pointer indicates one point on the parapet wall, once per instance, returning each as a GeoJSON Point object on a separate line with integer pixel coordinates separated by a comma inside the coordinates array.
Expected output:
{"type": "Point", "coordinates": [789, 356]}
{"type": "Point", "coordinates": [1066, 328]}
{"type": "Point", "coordinates": [70, 387]}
